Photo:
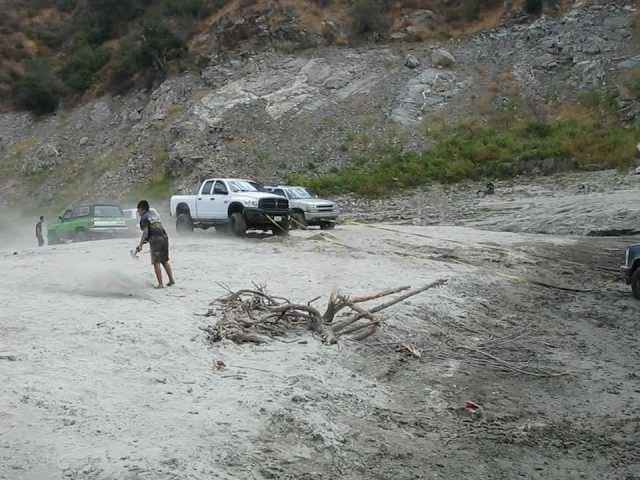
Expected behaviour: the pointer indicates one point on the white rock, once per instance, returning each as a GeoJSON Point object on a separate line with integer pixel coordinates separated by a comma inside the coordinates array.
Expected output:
{"type": "Point", "coordinates": [411, 62]}
{"type": "Point", "coordinates": [442, 58]}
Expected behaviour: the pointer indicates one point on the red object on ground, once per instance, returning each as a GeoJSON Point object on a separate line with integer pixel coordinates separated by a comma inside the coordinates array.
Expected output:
{"type": "Point", "coordinates": [469, 405]}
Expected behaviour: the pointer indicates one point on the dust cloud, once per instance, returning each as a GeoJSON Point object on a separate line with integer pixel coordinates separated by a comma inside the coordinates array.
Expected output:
{"type": "Point", "coordinates": [17, 230]}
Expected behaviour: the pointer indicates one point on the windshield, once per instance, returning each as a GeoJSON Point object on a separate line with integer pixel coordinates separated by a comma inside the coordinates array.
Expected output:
{"type": "Point", "coordinates": [107, 211]}
{"type": "Point", "coordinates": [298, 193]}
{"type": "Point", "coordinates": [241, 186]}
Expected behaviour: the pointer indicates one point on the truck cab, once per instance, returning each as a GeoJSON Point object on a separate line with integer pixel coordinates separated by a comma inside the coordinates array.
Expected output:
{"type": "Point", "coordinates": [230, 204]}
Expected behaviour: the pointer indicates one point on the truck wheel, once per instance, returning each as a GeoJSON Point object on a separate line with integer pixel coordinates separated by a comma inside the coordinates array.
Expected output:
{"type": "Point", "coordinates": [298, 220]}
{"type": "Point", "coordinates": [635, 283]}
{"type": "Point", "coordinates": [327, 226]}
{"type": "Point", "coordinates": [184, 224]}
{"type": "Point", "coordinates": [52, 239]}
{"type": "Point", "coordinates": [238, 224]}
{"type": "Point", "coordinates": [81, 236]}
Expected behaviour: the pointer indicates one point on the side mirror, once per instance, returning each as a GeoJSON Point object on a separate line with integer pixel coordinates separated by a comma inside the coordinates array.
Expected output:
{"type": "Point", "coordinates": [60, 218]}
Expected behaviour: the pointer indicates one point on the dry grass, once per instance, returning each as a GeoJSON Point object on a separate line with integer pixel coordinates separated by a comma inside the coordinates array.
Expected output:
{"type": "Point", "coordinates": [24, 146]}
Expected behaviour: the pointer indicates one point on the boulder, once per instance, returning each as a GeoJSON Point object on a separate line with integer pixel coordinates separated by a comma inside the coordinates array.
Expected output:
{"type": "Point", "coordinates": [442, 58]}
{"type": "Point", "coordinates": [411, 61]}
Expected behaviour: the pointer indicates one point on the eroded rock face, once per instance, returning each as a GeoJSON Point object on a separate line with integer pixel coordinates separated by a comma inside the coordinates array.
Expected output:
{"type": "Point", "coordinates": [427, 92]}
{"type": "Point", "coordinates": [292, 87]}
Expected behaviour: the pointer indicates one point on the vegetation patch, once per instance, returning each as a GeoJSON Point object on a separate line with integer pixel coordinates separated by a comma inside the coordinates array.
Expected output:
{"type": "Point", "coordinates": [79, 74]}
{"type": "Point", "coordinates": [159, 186]}
{"type": "Point", "coordinates": [584, 137]}
{"type": "Point", "coordinates": [369, 18]}
{"type": "Point", "coordinates": [39, 90]}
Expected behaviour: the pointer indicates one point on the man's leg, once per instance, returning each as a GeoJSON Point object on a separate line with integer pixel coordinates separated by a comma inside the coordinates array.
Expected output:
{"type": "Point", "coordinates": [158, 269]}
{"type": "Point", "coordinates": [167, 267]}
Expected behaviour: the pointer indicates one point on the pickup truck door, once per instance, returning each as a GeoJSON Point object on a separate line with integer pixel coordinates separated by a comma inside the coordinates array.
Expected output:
{"type": "Point", "coordinates": [221, 195]}
{"type": "Point", "coordinates": [205, 202]}
{"type": "Point", "coordinates": [64, 227]}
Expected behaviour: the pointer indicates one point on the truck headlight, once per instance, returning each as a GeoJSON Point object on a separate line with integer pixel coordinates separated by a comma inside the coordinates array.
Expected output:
{"type": "Point", "coordinates": [626, 257]}
{"type": "Point", "coordinates": [250, 203]}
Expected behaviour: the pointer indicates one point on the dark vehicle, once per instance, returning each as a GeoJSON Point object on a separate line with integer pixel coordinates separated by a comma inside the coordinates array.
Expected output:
{"type": "Point", "coordinates": [631, 269]}
{"type": "Point", "coordinates": [88, 222]}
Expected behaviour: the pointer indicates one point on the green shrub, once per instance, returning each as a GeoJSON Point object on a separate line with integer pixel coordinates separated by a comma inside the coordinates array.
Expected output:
{"type": "Point", "coordinates": [39, 90]}
{"type": "Point", "coordinates": [126, 65]}
{"type": "Point", "coordinates": [105, 19]}
{"type": "Point", "coordinates": [539, 129]}
{"type": "Point", "coordinates": [159, 45]}
{"type": "Point", "coordinates": [494, 150]}
{"type": "Point", "coordinates": [368, 17]}
{"type": "Point", "coordinates": [80, 72]}
{"type": "Point", "coordinates": [533, 7]}
{"type": "Point", "coordinates": [148, 57]}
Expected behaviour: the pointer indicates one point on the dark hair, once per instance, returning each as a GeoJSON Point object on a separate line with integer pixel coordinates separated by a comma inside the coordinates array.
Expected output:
{"type": "Point", "coordinates": [143, 205]}
{"type": "Point", "coordinates": [41, 217]}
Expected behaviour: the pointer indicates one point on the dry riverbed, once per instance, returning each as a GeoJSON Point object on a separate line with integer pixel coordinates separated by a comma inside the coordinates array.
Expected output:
{"type": "Point", "coordinates": [105, 378]}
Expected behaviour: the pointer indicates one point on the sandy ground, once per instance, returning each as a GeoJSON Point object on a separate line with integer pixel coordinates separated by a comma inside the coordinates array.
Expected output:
{"type": "Point", "coordinates": [104, 377]}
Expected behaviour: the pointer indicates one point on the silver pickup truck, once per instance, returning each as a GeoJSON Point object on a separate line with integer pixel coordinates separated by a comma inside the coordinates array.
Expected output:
{"type": "Point", "coordinates": [306, 208]}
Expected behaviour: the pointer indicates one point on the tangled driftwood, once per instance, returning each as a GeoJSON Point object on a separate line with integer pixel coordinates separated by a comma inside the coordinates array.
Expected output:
{"type": "Point", "coordinates": [254, 316]}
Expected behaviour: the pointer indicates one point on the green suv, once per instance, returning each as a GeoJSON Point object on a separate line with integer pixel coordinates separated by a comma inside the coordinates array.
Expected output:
{"type": "Point", "coordinates": [88, 222]}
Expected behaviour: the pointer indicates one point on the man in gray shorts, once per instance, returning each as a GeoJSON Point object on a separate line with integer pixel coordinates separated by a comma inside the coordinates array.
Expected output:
{"type": "Point", "coordinates": [154, 233]}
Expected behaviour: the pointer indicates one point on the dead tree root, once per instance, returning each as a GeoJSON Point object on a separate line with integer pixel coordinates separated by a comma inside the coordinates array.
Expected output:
{"type": "Point", "coordinates": [254, 316]}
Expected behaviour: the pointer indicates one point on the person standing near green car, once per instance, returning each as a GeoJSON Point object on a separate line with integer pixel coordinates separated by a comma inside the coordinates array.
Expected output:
{"type": "Point", "coordinates": [155, 235]}
{"type": "Point", "coordinates": [39, 234]}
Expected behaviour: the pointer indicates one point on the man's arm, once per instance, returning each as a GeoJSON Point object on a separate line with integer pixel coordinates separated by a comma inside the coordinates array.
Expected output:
{"type": "Point", "coordinates": [144, 238]}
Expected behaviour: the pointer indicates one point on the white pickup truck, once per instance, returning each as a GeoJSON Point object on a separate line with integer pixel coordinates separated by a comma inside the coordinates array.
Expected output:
{"type": "Point", "coordinates": [230, 203]}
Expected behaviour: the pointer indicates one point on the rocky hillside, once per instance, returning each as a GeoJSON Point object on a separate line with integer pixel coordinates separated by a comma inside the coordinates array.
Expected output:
{"type": "Point", "coordinates": [261, 111]}
{"type": "Point", "coordinates": [61, 52]}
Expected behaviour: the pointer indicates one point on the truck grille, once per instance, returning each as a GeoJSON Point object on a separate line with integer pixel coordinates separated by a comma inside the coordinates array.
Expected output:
{"type": "Point", "coordinates": [325, 208]}
{"type": "Point", "coordinates": [274, 203]}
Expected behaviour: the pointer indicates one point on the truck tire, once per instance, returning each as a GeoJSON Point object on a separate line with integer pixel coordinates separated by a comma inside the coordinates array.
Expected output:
{"type": "Point", "coordinates": [298, 220]}
{"type": "Point", "coordinates": [238, 224]}
{"type": "Point", "coordinates": [80, 235]}
{"type": "Point", "coordinates": [327, 226]}
{"type": "Point", "coordinates": [635, 283]}
{"type": "Point", "coordinates": [184, 224]}
{"type": "Point", "coordinates": [52, 239]}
